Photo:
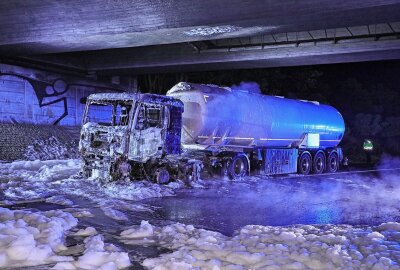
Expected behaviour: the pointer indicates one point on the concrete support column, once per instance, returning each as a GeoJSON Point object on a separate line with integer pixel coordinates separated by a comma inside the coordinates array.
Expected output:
{"type": "Point", "coordinates": [132, 84]}
{"type": "Point", "coordinates": [129, 83]}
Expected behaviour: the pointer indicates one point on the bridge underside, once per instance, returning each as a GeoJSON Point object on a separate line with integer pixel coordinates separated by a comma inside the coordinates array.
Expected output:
{"type": "Point", "coordinates": [117, 37]}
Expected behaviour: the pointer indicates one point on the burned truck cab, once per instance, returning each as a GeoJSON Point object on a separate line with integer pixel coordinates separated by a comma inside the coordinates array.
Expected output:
{"type": "Point", "coordinates": [132, 136]}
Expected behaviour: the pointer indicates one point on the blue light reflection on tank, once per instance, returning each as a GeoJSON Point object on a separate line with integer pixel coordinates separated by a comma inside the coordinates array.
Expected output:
{"type": "Point", "coordinates": [271, 121]}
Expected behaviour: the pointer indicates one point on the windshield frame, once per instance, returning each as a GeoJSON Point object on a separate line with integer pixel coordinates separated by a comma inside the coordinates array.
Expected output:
{"type": "Point", "coordinates": [164, 114]}
{"type": "Point", "coordinates": [114, 104]}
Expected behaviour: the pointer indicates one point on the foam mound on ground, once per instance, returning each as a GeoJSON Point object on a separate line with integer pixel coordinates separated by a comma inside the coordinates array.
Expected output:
{"type": "Point", "coordinates": [55, 180]}
{"type": "Point", "coordinates": [98, 255]}
{"type": "Point", "coordinates": [265, 247]}
{"type": "Point", "coordinates": [28, 238]}
{"type": "Point", "coordinates": [35, 238]}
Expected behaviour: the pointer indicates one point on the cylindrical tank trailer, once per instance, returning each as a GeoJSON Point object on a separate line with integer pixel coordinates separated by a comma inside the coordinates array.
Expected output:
{"type": "Point", "coordinates": [206, 126]}
{"type": "Point", "coordinates": [287, 135]}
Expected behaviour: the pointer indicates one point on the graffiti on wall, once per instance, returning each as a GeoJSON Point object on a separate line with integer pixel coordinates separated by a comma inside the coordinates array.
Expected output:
{"type": "Point", "coordinates": [55, 102]}
{"type": "Point", "coordinates": [47, 93]}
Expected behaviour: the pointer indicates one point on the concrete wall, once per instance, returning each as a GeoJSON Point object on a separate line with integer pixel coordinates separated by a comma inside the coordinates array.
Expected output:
{"type": "Point", "coordinates": [20, 102]}
{"type": "Point", "coordinates": [39, 109]}
{"type": "Point", "coordinates": [15, 139]}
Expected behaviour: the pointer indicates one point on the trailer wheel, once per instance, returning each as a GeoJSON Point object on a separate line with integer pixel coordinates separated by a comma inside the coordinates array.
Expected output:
{"type": "Point", "coordinates": [238, 166]}
{"type": "Point", "coordinates": [161, 175]}
{"type": "Point", "coordinates": [304, 165]}
{"type": "Point", "coordinates": [319, 163]}
{"type": "Point", "coordinates": [333, 162]}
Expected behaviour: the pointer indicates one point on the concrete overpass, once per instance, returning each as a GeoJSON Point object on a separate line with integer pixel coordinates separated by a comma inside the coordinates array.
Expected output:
{"type": "Point", "coordinates": [122, 36]}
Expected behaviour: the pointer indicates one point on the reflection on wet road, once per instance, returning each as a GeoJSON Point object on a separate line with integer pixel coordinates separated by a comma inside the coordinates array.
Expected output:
{"type": "Point", "coordinates": [368, 198]}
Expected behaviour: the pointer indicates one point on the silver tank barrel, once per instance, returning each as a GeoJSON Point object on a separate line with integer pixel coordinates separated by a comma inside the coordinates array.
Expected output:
{"type": "Point", "coordinates": [219, 116]}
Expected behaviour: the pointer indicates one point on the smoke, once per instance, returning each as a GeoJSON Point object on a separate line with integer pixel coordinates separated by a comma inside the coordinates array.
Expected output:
{"type": "Point", "coordinates": [356, 196]}
{"type": "Point", "coordinates": [251, 87]}
{"type": "Point", "coordinates": [388, 162]}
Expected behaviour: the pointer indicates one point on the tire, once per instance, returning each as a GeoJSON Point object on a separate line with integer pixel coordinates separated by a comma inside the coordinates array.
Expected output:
{"type": "Point", "coordinates": [161, 176]}
{"type": "Point", "coordinates": [238, 167]}
{"type": "Point", "coordinates": [304, 164]}
{"type": "Point", "coordinates": [332, 164]}
{"type": "Point", "coordinates": [319, 163]}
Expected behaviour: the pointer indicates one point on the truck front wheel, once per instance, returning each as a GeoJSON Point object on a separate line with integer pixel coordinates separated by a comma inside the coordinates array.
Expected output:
{"type": "Point", "coordinates": [238, 166]}
{"type": "Point", "coordinates": [161, 175]}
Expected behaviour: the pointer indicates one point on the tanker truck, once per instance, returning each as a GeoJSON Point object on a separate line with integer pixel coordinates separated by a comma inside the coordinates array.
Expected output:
{"type": "Point", "coordinates": [220, 130]}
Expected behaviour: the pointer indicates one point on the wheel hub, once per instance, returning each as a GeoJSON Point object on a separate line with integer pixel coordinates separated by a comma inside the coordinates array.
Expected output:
{"type": "Point", "coordinates": [162, 176]}
{"type": "Point", "coordinates": [238, 167]}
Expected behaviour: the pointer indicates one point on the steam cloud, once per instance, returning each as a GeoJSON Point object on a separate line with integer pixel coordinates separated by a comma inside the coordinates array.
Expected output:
{"type": "Point", "coordinates": [251, 87]}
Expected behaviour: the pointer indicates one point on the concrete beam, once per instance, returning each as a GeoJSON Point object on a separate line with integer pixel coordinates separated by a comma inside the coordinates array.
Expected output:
{"type": "Point", "coordinates": [43, 26]}
{"type": "Point", "coordinates": [52, 63]}
{"type": "Point", "coordinates": [178, 57]}
{"type": "Point", "coordinates": [40, 75]}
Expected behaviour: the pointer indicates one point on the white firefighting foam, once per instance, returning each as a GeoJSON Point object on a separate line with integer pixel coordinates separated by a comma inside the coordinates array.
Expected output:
{"type": "Point", "coordinates": [38, 237]}
{"type": "Point", "coordinates": [35, 238]}
{"type": "Point", "coordinates": [55, 180]}
{"type": "Point", "coordinates": [267, 247]}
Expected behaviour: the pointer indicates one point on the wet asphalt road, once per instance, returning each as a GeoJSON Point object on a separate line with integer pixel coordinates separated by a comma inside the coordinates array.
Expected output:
{"type": "Point", "coordinates": [362, 197]}
{"type": "Point", "coordinates": [365, 197]}
{"type": "Point", "coordinates": [356, 198]}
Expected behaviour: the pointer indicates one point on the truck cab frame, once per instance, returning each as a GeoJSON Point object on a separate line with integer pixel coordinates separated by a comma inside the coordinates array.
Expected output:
{"type": "Point", "coordinates": [134, 136]}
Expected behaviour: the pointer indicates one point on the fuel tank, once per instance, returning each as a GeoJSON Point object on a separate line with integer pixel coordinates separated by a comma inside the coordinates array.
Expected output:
{"type": "Point", "coordinates": [216, 116]}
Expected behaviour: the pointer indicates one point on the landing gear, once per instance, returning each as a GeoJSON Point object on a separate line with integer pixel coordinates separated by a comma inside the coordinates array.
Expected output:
{"type": "Point", "coordinates": [238, 166]}
{"type": "Point", "coordinates": [319, 163]}
{"type": "Point", "coordinates": [333, 162]}
{"type": "Point", "coordinates": [304, 165]}
{"type": "Point", "coordinates": [192, 172]}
